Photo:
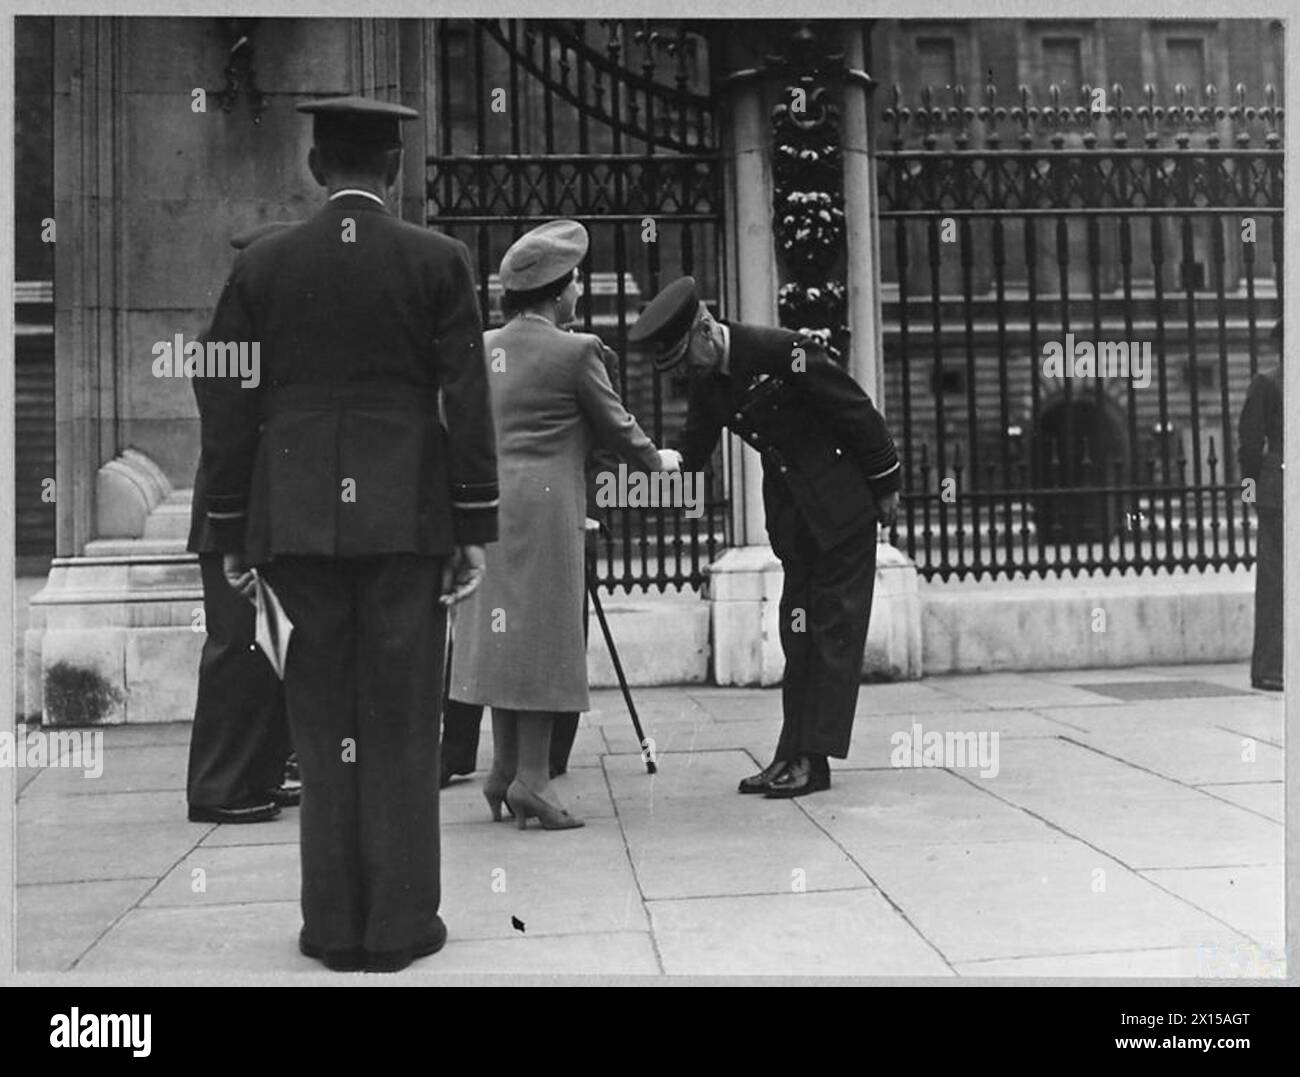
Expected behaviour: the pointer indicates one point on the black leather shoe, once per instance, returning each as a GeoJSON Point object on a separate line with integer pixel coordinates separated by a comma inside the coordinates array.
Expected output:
{"type": "Point", "coordinates": [453, 770]}
{"type": "Point", "coordinates": [802, 777]}
{"type": "Point", "coordinates": [396, 960]}
{"type": "Point", "coordinates": [760, 782]}
{"type": "Point", "coordinates": [289, 795]}
{"type": "Point", "coordinates": [334, 960]}
{"type": "Point", "coordinates": [1267, 684]}
{"type": "Point", "coordinates": [259, 811]}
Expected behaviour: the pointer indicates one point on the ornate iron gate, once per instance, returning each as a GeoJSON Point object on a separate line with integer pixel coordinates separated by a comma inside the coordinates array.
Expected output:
{"type": "Point", "coordinates": [610, 123]}
{"type": "Point", "coordinates": [992, 254]}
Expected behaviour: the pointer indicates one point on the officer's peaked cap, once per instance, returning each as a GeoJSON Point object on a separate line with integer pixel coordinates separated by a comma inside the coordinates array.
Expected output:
{"type": "Point", "coordinates": [666, 320]}
{"type": "Point", "coordinates": [358, 121]}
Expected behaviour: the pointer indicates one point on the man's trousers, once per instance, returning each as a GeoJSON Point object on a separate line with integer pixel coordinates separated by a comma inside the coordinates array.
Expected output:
{"type": "Point", "coordinates": [1266, 657]}
{"type": "Point", "coordinates": [240, 739]}
{"type": "Point", "coordinates": [363, 686]}
{"type": "Point", "coordinates": [825, 608]}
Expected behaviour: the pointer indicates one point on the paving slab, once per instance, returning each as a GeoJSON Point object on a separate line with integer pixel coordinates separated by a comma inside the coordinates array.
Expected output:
{"type": "Point", "coordinates": [740, 704]}
{"type": "Point", "coordinates": [1172, 963]}
{"type": "Point", "coordinates": [149, 807]}
{"type": "Point", "coordinates": [1172, 714]}
{"type": "Point", "coordinates": [876, 740]}
{"type": "Point", "coordinates": [582, 790]}
{"type": "Point", "coordinates": [127, 769]}
{"type": "Point", "coordinates": [1267, 798]}
{"type": "Point", "coordinates": [1141, 819]}
{"type": "Point", "coordinates": [74, 852]}
{"type": "Point", "coordinates": [915, 808]}
{"type": "Point", "coordinates": [909, 697]}
{"type": "Point", "coordinates": [1026, 898]}
{"type": "Point", "coordinates": [679, 708]}
{"type": "Point", "coordinates": [282, 830]}
{"type": "Point", "coordinates": [557, 882]}
{"type": "Point", "coordinates": [1270, 728]}
{"type": "Point", "coordinates": [622, 953]}
{"type": "Point", "coordinates": [1196, 756]}
{"type": "Point", "coordinates": [686, 737]}
{"type": "Point", "coordinates": [57, 922]}
{"type": "Point", "coordinates": [233, 875]}
{"type": "Point", "coordinates": [204, 938]}
{"type": "Point", "coordinates": [1249, 899]}
{"type": "Point", "coordinates": [1013, 690]}
{"type": "Point", "coordinates": [838, 933]}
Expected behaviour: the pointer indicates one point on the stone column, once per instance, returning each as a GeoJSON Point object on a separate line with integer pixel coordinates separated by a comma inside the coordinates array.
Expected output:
{"type": "Point", "coordinates": [156, 167]}
{"type": "Point", "coordinates": [862, 223]}
{"type": "Point", "coordinates": [745, 583]}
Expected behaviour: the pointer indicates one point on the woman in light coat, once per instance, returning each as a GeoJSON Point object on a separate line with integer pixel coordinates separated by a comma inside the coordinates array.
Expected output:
{"type": "Point", "coordinates": [519, 645]}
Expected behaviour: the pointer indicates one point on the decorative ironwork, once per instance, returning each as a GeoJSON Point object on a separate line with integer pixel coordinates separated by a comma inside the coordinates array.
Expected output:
{"type": "Point", "coordinates": [1009, 229]}
{"type": "Point", "coordinates": [239, 72]}
{"type": "Point", "coordinates": [608, 122]}
{"type": "Point", "coordinates": [808, 188]}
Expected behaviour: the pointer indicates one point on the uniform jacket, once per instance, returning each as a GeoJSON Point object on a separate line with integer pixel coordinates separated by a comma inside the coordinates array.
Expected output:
{"type": "Point", "coordinates": [341, 450]}
{"type": "Point", "coordinates": [827, 455]}
{"type": "Point", "coordinates": [1260, 435]}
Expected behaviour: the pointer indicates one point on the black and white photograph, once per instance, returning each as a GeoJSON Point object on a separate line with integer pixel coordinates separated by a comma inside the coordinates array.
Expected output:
{"type": "Point", "coordinates": [649, 496]}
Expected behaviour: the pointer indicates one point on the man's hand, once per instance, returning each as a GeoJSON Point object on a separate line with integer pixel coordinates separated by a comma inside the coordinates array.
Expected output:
{"type": "Point", "coordinates": [670, 460]}
{"type": "Point", "coordinates": [462, 574]}
{"type": "Point", "coordinates": [239, 575]}
{"type": "Point", "coordinates": [888, 508]}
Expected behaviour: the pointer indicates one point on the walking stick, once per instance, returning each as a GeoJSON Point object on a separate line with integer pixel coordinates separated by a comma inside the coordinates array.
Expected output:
{"type": "Point", "coordinates": [650, 767]}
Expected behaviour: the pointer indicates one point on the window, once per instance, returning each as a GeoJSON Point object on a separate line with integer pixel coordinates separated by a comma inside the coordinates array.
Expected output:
{"type": "Point", "coordinates": [1063, 66]}
{"type": "Point", "coordinates": [936, 61]}
{"type": "Point", "coordinates": [1185, 63]}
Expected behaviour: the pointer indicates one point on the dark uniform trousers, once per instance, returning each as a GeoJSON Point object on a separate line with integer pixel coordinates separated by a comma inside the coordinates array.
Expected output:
{"type": "Point", "coordinates": [363, 686]}
{"type": "Point", "coordinates": [827, 459]}
{"type": "Point", "coordinates": [1262, 435]}
{"type": "Point", "coordinates": [825, 610]}
{"type": "Point", "coordinates": [1266, 657]}
{"type": "Point", "coordinates": [348, 475]}
{"type": "Point", "coordinates": [240, 738]}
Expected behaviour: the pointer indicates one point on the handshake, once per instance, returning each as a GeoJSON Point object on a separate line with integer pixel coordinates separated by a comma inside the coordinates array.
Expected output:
{"type": "Point", "coordinates": [670, 460]}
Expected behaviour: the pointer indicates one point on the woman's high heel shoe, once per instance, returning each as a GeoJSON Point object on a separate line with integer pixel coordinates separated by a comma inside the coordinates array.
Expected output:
{"type": "Point", "coordinates": [494, 792]}
{"type": "Point", "coordinates": [524, 802]}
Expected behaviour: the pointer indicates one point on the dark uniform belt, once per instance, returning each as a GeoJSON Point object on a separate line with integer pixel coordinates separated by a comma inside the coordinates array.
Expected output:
{"type": "Point", "coordinates": [384, 396]}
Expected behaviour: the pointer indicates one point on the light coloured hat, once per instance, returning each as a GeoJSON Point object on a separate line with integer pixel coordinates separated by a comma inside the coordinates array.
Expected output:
{"type": "Point", "coordinates": [543, 255]}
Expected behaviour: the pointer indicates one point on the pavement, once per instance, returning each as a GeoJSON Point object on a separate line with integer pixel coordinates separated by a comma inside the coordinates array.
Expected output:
{"type": "Point", "coordinates": [1131, 827]}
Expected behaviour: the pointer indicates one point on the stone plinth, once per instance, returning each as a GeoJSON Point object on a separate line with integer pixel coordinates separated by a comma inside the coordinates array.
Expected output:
{"type": "Point", "coordinates": [745, 592]}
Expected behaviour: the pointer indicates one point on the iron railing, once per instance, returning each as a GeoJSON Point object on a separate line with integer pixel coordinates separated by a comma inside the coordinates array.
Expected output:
{"type": "Point", "coordinates": [993, 255]}
{"type": "Point", "coordinates": [604, 122]}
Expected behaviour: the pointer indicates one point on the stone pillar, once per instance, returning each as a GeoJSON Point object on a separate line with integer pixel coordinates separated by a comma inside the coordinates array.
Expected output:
{"type": "Point", "coordinates": [751, 292]}
{"type": "Point", "coordinates": [862, 222]}
{"type": "Point", "coordinates": [745, 583]}
{"type": "Point", "coordinates": [156, 167]}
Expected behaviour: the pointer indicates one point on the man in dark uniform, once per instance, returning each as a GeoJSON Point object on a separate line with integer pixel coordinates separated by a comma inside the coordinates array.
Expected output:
{"type": "Point", "coordinates": [338, 477]}
{"type": "Point", "coordinates": [829, 473]}
{"type": "Point", "coordinates": [240, 737]}
{"type": "Point", "coordinates": [1260, 433]}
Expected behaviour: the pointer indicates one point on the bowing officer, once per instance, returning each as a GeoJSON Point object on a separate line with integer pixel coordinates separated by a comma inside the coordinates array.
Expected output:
{"type": "Point", "coordinates": [240, 737]}
{"type": "Point", "coordinates": [829, 473]}
{"type": "Point", "coordinates": [365, 513]}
